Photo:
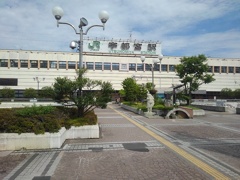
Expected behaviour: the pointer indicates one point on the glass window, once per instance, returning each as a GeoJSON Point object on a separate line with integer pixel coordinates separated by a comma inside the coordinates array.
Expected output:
{"type": "Point", "coordinates": [156, 67]}
{"type": "Point", "coordinates": [216, 69]}
{"type": "Point", "coordinates": [62, 64]}
{"type": "Point", "coordinates": [98, 65]}
{"type": "Point", "coordinates": [139, 67]}
{"type": "Point", "coordinates": [3, 63]}
{"type": "Point", "coordinates": [224, 69]}
{"type": "Point", "coordinates": [237, 69]}
{"type": "Point", "coordinates": [148, 67]}
{"type": "Point", "coordinates": [107, 66]}
{"type": "Point", "coordinates": [230, 69]}
{"type": "Point", "coordinates": [43, 64]}
{"type": "Point", "coordinates": [14, 62]}
{"type": "Point", "coordinates": [71, 65]}
{"type": "Point", "coordinates": [163, 67]}
{"type": "Point", "coordinates": [210, 69]}
{"type": "Point", "coordinates": [132, 67]}
{"type": "Point", "coordinates": [115, 66]}
{"type": "Point", "coordinates": [171, 68]}
{"type": "Point", "coordinates": [24, 63]}
{"type": "Point", "coordinates": [89, 65]}
{"type": "Point", "coordinates": [33, 64]}
{"type": "Point", "coordinates": [53, 64]}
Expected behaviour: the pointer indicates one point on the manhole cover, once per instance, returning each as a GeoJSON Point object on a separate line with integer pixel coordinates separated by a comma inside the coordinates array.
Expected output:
{"type": "Point", "coordinates": [141, 147]}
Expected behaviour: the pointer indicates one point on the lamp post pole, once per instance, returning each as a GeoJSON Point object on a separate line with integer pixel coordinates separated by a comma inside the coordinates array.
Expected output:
{"type": "Point", "coordinates": [38, 82]}
{"type": "Point", "coordinates": [58, 13]}
{"type": "Point", "coordinates": [160, 57]}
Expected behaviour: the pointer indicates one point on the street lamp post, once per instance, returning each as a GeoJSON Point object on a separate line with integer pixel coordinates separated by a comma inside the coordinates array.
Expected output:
{"type": "Point", "coordinates": [58, 13]}
{"type": "Point", "coordinates": [38, 82]}
{"type": "Point", "coordinates": [154, 62]}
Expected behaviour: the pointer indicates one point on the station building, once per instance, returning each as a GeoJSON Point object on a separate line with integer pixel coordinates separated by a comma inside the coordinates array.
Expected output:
{"type": "Point", "coordinates": [111, 61]}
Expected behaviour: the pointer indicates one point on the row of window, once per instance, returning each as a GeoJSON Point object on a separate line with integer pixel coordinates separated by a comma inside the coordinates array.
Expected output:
{"type": "Point", "coordinates": [105, 66]}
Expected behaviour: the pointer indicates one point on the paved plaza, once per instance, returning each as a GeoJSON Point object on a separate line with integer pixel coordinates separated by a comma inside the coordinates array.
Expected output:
{"type": "Point", "coordinates": [134, 147]}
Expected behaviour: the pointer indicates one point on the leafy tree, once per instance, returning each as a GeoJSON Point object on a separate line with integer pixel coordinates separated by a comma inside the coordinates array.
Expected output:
{"type": "Point", "coordinates": [62, 88]}
{"type": "Point", "coordinates": [141, 92]}
{"type": "Point", "coordinates": [30, 93]}
{"type": "Point", "coordinates": [227, 93]}
{"type": "Point", "coordinates": [47, 92]}
{"type": "Point", "coordinates": [193, 73]}
{"type": "Point", "coordinates": [83, 92]}
{"type": "Point", "coordinates": [7, 92]}
{"type": "Point", "coordinates": [130, 88]}
{"type": "Point", "coordinates": [237, 93]}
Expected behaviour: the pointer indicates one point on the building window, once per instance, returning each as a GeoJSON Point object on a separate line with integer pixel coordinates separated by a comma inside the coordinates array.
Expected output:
{"type": "Point", "coordinates": [33, 64]}
{"type": "Point", "coordinates": [171, 68]}
{"type": "Point", "coordinates": [53, 64]}
{"type": "Point", "coordinates": [224, 69]}
{"type": "Point", "coordinates": [107, 66]}
{"type": "Point", "coordinates": [89, 65]}
{"type": "Point", "coordinates": [98, 66]}
{"type": "Point", "coordinates": [216, 69]}
{"type": "Point", "coordinates": [148, 67]}
{"type": "Point", "coordinates": [62, 64]}
{"type": "Point", "coordinates": [139, 67]}
{"type": "Point", "coordinates": [43, 64]}
{"type": "Point", "coordinates": [210, 69]}
{"type": "Point", "coordinates": [163, 67]}
{"type": "Point", "coordinates": [8, 82]}
{"type": "Point", "coordinates": [14, 63]}
{"type": "Point", "coordinates": [115, 66]}
{"type": "Point", "coordinates": [237, 69]}
{"type": "Point", "coordinates": [132, 67]}
{"type": "Point", "coordinates": [24, 63]}
{"type": "Point", "coordinates": [3, 63]}
{"type": "Point", "coordinates": [230, 69]}
{"type": "Point", "coordinates": [156, 67]}
{"type": "Point", "coordinates": [71, 65]}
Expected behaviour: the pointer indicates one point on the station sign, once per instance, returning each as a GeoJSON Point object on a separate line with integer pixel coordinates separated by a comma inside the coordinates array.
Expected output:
{"type": "Point", "coordinates": [122, 47]}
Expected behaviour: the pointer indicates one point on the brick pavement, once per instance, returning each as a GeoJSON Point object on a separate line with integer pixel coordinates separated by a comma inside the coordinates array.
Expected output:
{"type": "Point", "coordinates": [111, 158]}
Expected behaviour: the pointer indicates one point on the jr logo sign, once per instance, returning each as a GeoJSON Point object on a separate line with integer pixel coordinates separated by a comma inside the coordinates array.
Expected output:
{"type": "Point", "coordinates": [94, 46]}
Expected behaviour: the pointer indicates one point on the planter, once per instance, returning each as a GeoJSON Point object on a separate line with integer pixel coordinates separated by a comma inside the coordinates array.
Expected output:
{"type": "Point", "coordinates": [14, 141]}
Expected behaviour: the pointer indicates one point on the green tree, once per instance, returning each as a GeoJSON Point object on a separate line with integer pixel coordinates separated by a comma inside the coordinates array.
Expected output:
{"type": "Point", "coordinates": [193, 73]}
{"type": "Point", "coordinates": [237, 93]}
{"type": "Point", "coordinates": [105, 94]}
{"type": "Point", "coordinates": [83, 92]}
{"type": "Point", "coordinates": [30, 93]}
{"type": "Point", "coordinates": [7, 92]}
{"type": "Point", "coordinates": [130, 88]}
{"type": "Point", "coordinates": [227, 93]}
{"type": "Point", "coordinates": [47, 92]}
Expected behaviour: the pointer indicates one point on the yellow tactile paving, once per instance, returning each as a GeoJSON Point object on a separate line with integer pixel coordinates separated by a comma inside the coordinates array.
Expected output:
{"type": "Point", "coordinates": [202, 165]}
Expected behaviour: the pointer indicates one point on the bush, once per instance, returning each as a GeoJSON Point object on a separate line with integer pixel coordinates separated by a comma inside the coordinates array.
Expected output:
{"type": "Point", "coordinates": [7, 93]}
{"type": "Point", "coordinates": [41, 119]}
{"type": "Point", "coordinates": [30, 93]}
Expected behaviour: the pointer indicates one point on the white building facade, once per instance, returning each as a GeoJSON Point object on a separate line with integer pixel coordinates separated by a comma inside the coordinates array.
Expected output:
{"type": "Point", "coordinates": [107, 61]}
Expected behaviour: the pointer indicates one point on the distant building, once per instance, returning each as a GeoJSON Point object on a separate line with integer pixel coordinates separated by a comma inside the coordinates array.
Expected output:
{"type": "Point", "coordinates": [111, 61]}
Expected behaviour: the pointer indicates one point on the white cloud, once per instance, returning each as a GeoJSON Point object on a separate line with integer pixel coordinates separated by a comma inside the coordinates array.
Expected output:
{"type": "Point", "coordinates": [30, 24]}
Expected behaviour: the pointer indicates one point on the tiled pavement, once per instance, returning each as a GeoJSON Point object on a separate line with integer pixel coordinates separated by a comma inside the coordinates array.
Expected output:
{"type": "Point", "coordinates": [125, 151]}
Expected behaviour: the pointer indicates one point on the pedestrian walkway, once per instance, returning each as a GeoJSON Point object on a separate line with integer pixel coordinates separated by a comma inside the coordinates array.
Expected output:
{"type": "Point", "coordinates": [134, 147]}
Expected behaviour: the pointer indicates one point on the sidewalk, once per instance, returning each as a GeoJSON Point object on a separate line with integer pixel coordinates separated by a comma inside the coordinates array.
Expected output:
{"type": "Point", "coordinates": [133, 147]}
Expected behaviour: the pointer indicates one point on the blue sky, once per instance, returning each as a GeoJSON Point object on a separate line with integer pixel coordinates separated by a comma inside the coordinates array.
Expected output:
{"type": "Point", "coordinates": [185, 27]}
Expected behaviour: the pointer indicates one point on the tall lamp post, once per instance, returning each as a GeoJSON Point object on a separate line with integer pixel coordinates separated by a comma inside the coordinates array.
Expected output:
{"type": "Point", "coordinates": [58, 13]}
{"type": "Point", "coordinates": [154, 62]}
{"type": "Point", "coordinates": [38, 81]}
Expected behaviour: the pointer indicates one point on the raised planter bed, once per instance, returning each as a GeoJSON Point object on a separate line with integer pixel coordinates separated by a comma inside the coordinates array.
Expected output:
{"type": "Point", "coordinates": [14, 141]}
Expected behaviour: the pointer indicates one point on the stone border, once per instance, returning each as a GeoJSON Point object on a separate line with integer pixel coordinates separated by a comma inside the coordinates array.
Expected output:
{"type": "Point", "coordinates": [14, 141]}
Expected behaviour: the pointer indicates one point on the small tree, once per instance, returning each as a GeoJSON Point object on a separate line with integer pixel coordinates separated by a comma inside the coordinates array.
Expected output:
{"type": "Point", "coordinates": [193, 72]}
{"type": "Point", "coordinates": [227, 93]}
{"type": "Point", "coordinates": [130, 87]}
{"type": "Point", "coordinates": [47, 92]}
{"type": "Point", "coordinates": [7, 92]}
{"type": "Point", "coordinates": [237, 93]}
{"type": "Point", "coordinates": [83, 92]}
{"type": "Point", "coordinates": [30, 93]}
